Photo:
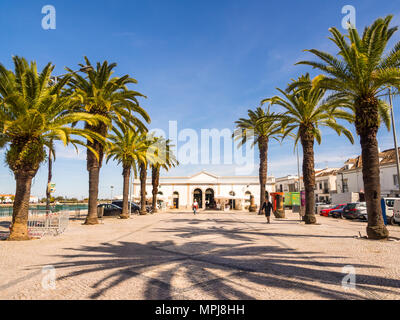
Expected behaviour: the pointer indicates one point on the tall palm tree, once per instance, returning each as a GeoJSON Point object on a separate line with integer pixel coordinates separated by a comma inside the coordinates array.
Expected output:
{"type": "Point", "coordinates": [259, 133]}
{"type": "Point", "coordinates": [100, 93]}
{"type": "Point", "coordinates": [143, 166]}
{"type": "Point", "coordinates": [362, 70]}
{"type": "Point", "coordinates": [32, 115]}
{"type": "Point", "coordinates": [50, 157]}
{"type": "Point", "coordinates": [305, 112]}
{"type": "Point", "coordinates": [128, 147]}
{"type": "Point", "coordinates": [166, 161]}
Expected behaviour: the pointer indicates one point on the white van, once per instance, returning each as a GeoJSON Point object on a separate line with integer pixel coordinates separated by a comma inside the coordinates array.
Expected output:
{"type": "Point", "coordinates": [395, 218]}
{"type": "Point", "coordinates": [389, 204]}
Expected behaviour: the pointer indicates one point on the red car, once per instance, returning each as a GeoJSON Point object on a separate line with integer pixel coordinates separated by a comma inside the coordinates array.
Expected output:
{"type": "Point", "coordinates": [325, 212]}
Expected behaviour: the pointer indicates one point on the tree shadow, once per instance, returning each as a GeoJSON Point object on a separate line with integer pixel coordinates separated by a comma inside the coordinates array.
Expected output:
{"type": "Point", "coordinates": [172, 270]}
{"type": "Point", "coordinates": [240, 233]}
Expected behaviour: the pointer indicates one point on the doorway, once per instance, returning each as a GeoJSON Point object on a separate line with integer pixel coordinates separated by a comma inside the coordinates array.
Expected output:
{"type": "Point", "coordinates": [175, 198]}
{"type": "Point", "coordinates": [210, 202]}
{"type": "Point", "coordinates": [232, 202]}
{"type": "Point", "coordinates": [198, 196]}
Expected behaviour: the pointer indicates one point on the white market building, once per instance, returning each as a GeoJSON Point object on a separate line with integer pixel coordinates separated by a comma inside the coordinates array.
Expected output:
{"type": "Point", "coordinates": [210, 190]}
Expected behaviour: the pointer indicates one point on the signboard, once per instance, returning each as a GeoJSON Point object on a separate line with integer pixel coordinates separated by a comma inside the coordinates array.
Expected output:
{"type": "Point", "coordinates": [51, 187]}
{"type": "Point", "coordinates": [303, 198]}
{"type": "Point", "coordinates": [295, 198]}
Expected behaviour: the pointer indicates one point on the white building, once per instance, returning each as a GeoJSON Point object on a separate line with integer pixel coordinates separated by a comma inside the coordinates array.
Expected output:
{"type": "Point", "coordinates": [350, 178]}
{"type": "Point", "coordinates": [8, 198]}
{"type": "Point", "coordinates": [208, 189]}
{"type": "Point", "coordinates": [325, 184]}
{"type": "Point", "coordinates": [287, 184]}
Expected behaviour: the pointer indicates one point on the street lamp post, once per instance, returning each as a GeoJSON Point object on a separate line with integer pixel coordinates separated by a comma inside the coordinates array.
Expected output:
{"type": "Point", "coordinates": [298, 170]}
{"type": "Point", "coordinates": [394, 138]}
{"type": "Point", "coordinates": [112, 187]}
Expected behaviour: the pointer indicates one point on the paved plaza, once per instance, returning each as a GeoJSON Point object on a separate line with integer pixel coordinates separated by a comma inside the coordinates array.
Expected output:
{"type": "Point", "coordinates": [208, 256]}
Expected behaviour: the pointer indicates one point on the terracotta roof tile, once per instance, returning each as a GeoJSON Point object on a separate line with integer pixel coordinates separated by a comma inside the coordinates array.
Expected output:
{"type": "Point", "coordinates": [387, 157]}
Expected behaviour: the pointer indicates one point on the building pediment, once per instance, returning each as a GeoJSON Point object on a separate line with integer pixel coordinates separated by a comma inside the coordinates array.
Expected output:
{"type": "Point", "coordinates": [204, 177]}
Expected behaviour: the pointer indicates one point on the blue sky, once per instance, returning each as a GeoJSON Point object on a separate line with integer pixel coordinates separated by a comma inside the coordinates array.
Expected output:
{"type": "Point", "coordinates": [201, 63]}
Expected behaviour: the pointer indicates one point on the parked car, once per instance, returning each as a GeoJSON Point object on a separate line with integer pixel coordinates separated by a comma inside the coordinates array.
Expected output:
{"type": "Point", "coordinates": [325, 212]}
{"type": "Point", "coordinates": [337, 213]}
{"type": "Point", "coordinates": [134, 207]}
{"type": "Point", "coordinates": [396, 213]}
{"type": "Point", "coordinates": [355, 210]}
{"type": "Point", "coordinates": [319, 206]}
{"type": "Point", "coordinates": [110, 209]}
{"type": "Point", "coordinates": [387, 206]}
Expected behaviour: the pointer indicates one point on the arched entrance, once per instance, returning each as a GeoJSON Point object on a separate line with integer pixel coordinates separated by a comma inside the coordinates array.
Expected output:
{"type": "Point", "coordinates": [210, 202]}
{"type": "Point", "coordinates": [198, 196]}
{"type": "Point", "coordinates": [175, 199]}
{"type": "Point", "coordinates": [232, 202]}
{"type": "Point", "coordinates": [247, 199]}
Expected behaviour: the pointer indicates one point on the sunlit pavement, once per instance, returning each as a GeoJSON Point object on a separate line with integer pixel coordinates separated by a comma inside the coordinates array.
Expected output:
{"type": "Point", "coordinates": [208, 256]}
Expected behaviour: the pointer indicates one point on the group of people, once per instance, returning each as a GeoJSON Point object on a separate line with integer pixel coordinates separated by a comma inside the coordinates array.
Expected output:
{"type": "Point", "coordinates": [266, 208]}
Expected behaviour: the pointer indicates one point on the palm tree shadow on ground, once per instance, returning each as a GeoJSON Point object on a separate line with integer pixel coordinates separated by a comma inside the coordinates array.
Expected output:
{"type": "Point", "coordinates": [173, 270]}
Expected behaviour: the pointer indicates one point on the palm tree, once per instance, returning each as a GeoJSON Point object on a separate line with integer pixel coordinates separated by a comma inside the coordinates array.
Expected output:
{"type": "Point", "coordinates": [363, 69]}
{"type": "Point", "coordinates": [128, 147]}
{"type": "Point", "coordinates": [143, 165]}
{"type": "Point", "coordinates": [259, 133]}
{"type": "Point", "coordinates": [166, 161]}
{"type": "Point", "coordinates": [32, 115]}
{"type": "Point", "coordinates": [100, 93]}
{"type": "Point", "coordinates": [304, 112]}
{"type": "Point", "coordinates": [50, 157]}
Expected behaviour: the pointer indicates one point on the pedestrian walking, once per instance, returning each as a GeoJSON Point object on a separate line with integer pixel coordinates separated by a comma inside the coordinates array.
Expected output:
{"type": "Point", "coordinates": [267, 207]}
{"type": "Point", "coordinates": [195, 207]}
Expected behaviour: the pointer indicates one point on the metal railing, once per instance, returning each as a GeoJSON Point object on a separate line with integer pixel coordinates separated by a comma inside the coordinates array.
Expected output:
{"type": "Point", "coordinates": [47, 223]}
{"type": "Point", "coordinates": [42, 222]}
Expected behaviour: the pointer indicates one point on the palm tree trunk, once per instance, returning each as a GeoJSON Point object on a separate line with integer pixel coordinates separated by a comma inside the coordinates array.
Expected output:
{"type": "Point", "coordinates": [155, 180]}
{"type": "Point", "coordinates": [93, 166]}
{"type": "Point", "coordinates": [19, 229]}
{"type": "Point", "coordinates": [126, 172]}
{"type": "Point", "coordinates": [307, 141]}
{"type": "Point", "coordinates": [143, 177]}
{"type": "Point", "coordinates": [49, 177]}
{"type": "Point", "coordinates": [92, 217]}
{"type": "Point", "coordinates": [367, 124]}
{"type": "Point", "coordinates": [94, 172]}
{"type": "Point", "coordinates": [262, 173]}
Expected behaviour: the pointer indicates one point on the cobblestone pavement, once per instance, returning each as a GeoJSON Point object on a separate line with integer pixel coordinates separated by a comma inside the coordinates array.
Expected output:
{"type": "Point", "coordinates": [207, 256]}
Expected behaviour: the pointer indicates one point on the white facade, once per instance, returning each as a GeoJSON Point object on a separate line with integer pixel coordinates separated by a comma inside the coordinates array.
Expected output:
{"type": "Point", "coordinates": [287, 184]}
{"type": "Point", "coordinates": [8, 198]}
{"type": "Point", "coordinates": [350, 177]}
{"type": "Point", "coordinates": [353, 180]}
{"type": "Point", "coordinates": [179, 192]}
{"type": "Point", "coordinates": [325, 184]}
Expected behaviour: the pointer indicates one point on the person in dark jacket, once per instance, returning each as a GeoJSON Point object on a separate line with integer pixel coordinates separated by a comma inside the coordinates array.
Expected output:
{"type": "Point", "coordinates": [267, 207]}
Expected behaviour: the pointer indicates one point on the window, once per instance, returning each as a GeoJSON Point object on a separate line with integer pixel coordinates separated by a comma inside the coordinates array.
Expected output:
{"type": "Point", "coordinates": [390, 203]}
{"type": "Point", "coordinates": [395, 180]}
{"type": "Point", "coordinates": [320, 186]}
{"type": "Point", "coordinates": [345, 186]}
{"type": "Point", "coordinates": [326, 187]}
